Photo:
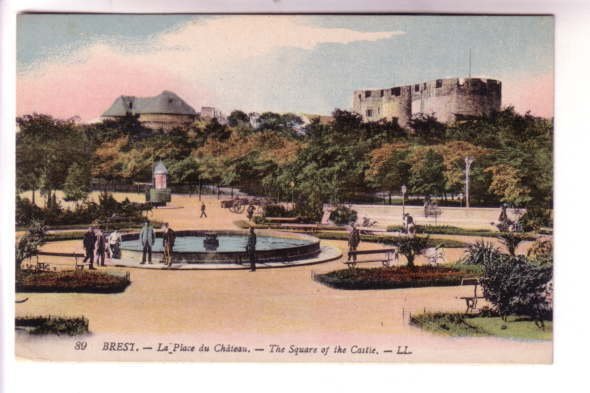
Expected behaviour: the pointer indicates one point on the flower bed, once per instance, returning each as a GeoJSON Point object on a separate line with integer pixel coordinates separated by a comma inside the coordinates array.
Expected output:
{"type": "Point", "coordinates": [71, 281]}
{"type": "Point", "coordinates": [53, 325]}
{"type": "Point", "coordinates": [391, 278]}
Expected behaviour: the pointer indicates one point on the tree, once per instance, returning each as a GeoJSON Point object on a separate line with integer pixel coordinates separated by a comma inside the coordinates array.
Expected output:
{"type": "Point", "coordinates": [427, 127]}
{"type": "Point", "coordinates": [27, 245]}
{"type": "Point", "coordinates": [388, 168]}
{"type": "Point", "coordinates": [186, 171]}
{"type": "Point", "coordinates": [515, 286]}
{"type": "Point", "coordinates": [410, 247]}
{"type": "Point", "coordinates": [237, 118]}
{"type": "Point", "coordinates": [215, 130]}
{"type": "Point", "coordinates": [426, 173]}
{"type": "Point", "coordinates": [46, 147]}
{"type": "Point", "coordinates": [77, 183]}
{"type": "Point", "coordinates": [508, 185]}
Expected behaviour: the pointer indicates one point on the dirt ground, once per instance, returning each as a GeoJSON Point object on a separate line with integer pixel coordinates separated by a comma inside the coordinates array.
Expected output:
{"type": "Point", "coordinates": [270, 306]}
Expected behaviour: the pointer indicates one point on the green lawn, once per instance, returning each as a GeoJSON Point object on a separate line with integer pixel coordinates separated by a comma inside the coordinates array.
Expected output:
{"type": "Point", "coordinates": [467, 325]}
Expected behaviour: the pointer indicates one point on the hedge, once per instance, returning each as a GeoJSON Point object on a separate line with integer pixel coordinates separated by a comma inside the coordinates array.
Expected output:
{"type": "Point", "coordinates": [53, 325]}
{"type": "Point", "coordinates": [71, 281]}
{"type": "Point", "coordinates": [391, 278]}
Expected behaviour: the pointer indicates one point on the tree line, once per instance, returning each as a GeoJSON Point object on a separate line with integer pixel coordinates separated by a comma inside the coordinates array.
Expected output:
{"type": "Point", "coordinates": [312, 163]}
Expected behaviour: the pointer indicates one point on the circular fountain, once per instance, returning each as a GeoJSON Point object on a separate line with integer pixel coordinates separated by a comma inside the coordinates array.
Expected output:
{"type": "Point", "coordinates": [226, 247]}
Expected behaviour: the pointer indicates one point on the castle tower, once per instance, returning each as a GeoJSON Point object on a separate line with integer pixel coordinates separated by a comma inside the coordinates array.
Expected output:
{"type": "Point", "coordinates": [449, 99]}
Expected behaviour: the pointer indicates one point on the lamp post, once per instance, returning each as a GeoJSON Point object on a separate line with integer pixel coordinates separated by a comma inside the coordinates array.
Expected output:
{"type": "Point", "coordinates": [404, 189]}
{"type": "Point", "coordinates": [292, 185]}
{"type": "Point", "coordinates": [468, 162]}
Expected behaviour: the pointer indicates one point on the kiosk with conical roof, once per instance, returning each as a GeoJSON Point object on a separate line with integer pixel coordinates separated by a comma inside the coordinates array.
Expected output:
{"type": "Point", "coordinates": [159, 192]}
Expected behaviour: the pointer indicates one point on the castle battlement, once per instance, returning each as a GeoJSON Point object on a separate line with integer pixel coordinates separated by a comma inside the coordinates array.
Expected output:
{"type": "Point", "coordinates": [449, 99]}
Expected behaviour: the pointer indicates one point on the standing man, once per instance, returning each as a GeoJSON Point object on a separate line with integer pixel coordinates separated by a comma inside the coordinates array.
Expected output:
{"type": "Point", "coordinates": [100, 247]}
{"type": "Point", "coordinates": [168, 238]}
{"type": "Point", "coordinates": [89, 242]}
{"type": "Point", "coordinates": [251, 249]}
{"type": "Point", "coordinates": [147, 238]}
{"type": "Point", "coordinates": [203, 208]}
{"type": "Point", "coordinates": [353, 241]}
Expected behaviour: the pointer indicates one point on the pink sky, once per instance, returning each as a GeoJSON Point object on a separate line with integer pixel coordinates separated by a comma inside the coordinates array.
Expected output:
{"type": "Point", "coordinates": [88, 89]}
{"type": "Point", "coordinates": [197, 60]}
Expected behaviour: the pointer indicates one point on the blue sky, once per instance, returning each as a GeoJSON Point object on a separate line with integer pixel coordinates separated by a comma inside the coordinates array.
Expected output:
{"type": "Point", "coordinates": [258, 63]}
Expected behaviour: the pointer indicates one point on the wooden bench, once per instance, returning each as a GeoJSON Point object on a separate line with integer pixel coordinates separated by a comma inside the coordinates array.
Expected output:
{"type": "Point", "coordinates": [37, 266]}
{"type": "Point", "coordinates": [277, 220]}
{"type": "Point", "coordinates": [307, 227]}
{"type": "Point", "coordinates": [390, 257]}
{"type": "Point", "coordinates": [471, 301]}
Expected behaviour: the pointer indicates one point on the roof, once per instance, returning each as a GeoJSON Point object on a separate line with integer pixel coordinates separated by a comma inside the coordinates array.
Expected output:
{"type": "Point", "coordinates": [166, 102]}
{"type": "Point", "coordinates": [160, 169]}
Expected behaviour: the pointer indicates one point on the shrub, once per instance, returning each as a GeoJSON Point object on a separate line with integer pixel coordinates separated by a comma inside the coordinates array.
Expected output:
{"type": "Point", "coordinates": [343, 215]}
{"type": "Point", "coordinates": [445, 230]}
{"type": "Point", "coordinates": [53, 325]}
{"type": "Point", "coordinates": [514, 286]}
{"type": "Point", "coordinates": [511, 240]}
{"type": "Point", "coordinates": [391, 278]}
{"type": "Point", "coordinates": [71, 281]}
{"type": "Point", "coordinates": [85, 213]}
{"type": "Point", "coordinates": [28, 244]}
{"type": "Point", "coordinates": [535, 218]}
{"type": "Point", "coordinates": [277, 211]}
{"type": "Point", "coordinates": [480, 252]}
{"type": "Point", "coordinates": [410, 247]}
{"type": "Point", "coordinates": [541, 252]}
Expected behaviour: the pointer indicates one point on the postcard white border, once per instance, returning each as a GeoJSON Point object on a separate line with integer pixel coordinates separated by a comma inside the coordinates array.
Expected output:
{"type": "Point", "coordinates": [571, 162]}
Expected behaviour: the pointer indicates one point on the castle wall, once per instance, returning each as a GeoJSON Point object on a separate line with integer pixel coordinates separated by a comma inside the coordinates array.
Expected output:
{"type": "Point", "coordinates": [165, 121]}
{"type": "Point", "coordinates": [448, 99]}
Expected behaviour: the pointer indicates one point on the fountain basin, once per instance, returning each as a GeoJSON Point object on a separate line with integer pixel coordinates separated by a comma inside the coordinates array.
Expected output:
{"type": "Point", "coordinates": [191, 247]}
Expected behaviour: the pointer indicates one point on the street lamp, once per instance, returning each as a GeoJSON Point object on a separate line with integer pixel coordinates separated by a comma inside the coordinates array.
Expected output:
{"type": "Point", "coordinates": [292, 185]}
{"type": "Point", "coordinates": [404, 189]}
{"type": "Point", "coordinates": [468, 162]}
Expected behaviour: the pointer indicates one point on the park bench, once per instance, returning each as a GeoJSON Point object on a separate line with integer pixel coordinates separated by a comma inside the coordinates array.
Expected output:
{"type": "Point", "coordinates": [282, 219]}
{"type": "Point", "coordinates": [37, 266]}
{"type": "Point", "coordinates": [370, 230]}
{"type": "Point", "coordinates": [306, 227]}
{"type": "Point", "coordinates": [389, 257]}
{"type": "Point", "coordinates": [471, 301]}
{"type": "Point", "coordinates": [78, 265]}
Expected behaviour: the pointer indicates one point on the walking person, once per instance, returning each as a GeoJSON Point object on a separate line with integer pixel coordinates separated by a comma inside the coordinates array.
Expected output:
{"type": "Point", "coordinates": [251, 249]}
{"type": "Point", "coordinates": [250, 212]}
{"type": "Point", "coordinates": [89, 243]}
{"type": "Point", "coordinates": [100, 247]}
{"type": "Point", "coordinates": [168, 238]}
{"type": "Point", "coordinates": [203, 208]}
{"type": "Point", "coordinates": [353, 241]}
{"type": "Point", "coordinates": [147, 238]}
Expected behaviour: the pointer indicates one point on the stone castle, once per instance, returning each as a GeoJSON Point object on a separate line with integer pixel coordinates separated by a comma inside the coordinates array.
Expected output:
{"type": "Point", "coordinates": [448, 99]}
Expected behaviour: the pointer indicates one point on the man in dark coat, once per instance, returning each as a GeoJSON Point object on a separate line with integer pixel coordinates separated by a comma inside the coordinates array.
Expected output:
{"type": "Point", "coordinates": [101, 245]}
{"type": "Point", "coordinates": [89, 242]}
{"type": "Point", "coordinates": [251, 249]}
{"type": "Point", "coordinates": [168, 238]}
{"type": "Point", "coordinates": [203, 208]}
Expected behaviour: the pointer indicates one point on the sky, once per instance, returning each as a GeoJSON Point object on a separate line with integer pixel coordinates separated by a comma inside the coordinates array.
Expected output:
{"type": "Point", "coordinates": [77, 65]}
